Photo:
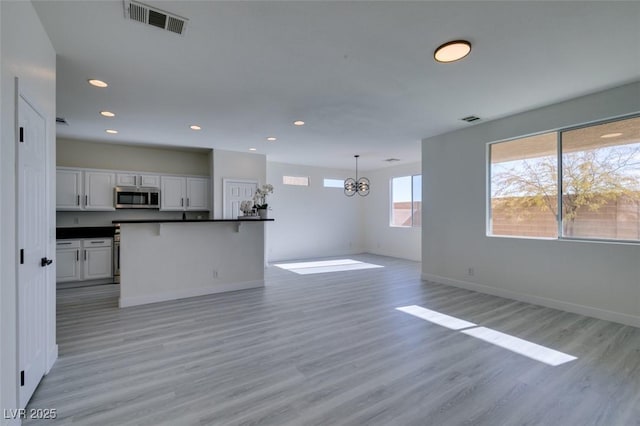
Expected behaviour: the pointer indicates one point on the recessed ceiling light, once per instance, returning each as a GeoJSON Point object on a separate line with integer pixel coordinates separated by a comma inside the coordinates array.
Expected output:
{"type": "Point", "coordinates": [298, 123]}
{"type": "Point", "coordinates": [195, 127]}
{"type": "Point", "coordinates": [611, 135]}
{"type": "Point", "coordinates": [107, 114]}
{"type": "Point", "coordinates": [111, 131]}
{"type": "Point", "coordinates": [452, 51]}
{"type": "Point", "coordinates": [97, 83]}
{"type": "Point", "coordinates": [252, 149]}
{"type": "Point", "coordinates": [272, 139]}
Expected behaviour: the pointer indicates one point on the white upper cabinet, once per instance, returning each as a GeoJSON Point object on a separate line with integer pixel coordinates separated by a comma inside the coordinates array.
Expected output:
{"type": "Point", "coordinates": [69, 192]}
{"type": "Point", "coordinates": [179, 193]}
{"type": "Point", "coordinates": [84, 190]}
{"type": "Point", "coordinates": [99, 190]}
{"type": "Point", "coordinates": [173, 193]}
{"type": "Point", "coordinates": [152, 181]}
{"type": "Point", "coordinates": [136, 179]}
{"type": "Point", "coordinates": [91, 189]}
{"type": "Point", "coordinates": [197, 194]}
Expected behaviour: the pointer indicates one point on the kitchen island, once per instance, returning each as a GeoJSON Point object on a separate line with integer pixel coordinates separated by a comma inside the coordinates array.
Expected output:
{"type": "Point", "coordinates": [172, 259]}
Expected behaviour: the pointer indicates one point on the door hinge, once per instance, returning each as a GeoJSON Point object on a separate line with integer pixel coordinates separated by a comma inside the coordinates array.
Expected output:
{"type": "Point", "coordinates": [22, 256]}
{"type": "Point", "coordinates": [21, 134]}
{"type": "Point", "coordinates": [22, 378]}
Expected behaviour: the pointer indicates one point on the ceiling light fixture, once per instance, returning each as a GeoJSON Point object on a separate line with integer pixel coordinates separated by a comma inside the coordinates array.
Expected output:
{"type": "Point", "coordinates": [111, 131]}
{"type": "Point", "coordinates": [98, 83]}
{"type": "Point", "coordinates": [298, 123]}
{"type": "Point", "coordinates": [452, 51]}
{"type": "Point", "coordinates": [272, 139]}
{"type": "Point", "coordinates": [356, 186]}
{"type": "Point", "coordinates": [611, 135]}
{"type": "Point", "coordinates": [107, 114]}
{"type": "Point", "coordinates": [252, 149]}
{"type": "Point", "coordinates": [195, 127]}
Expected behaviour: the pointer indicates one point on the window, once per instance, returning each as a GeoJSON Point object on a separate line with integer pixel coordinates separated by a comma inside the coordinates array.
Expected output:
{"type": "Point", "coordinates": [295, 180]}
{"type": "Point", "coordinates": [601, 181]}
{"type": "Point", "coordinates": [334, 183]}
{"type": "Point", "coordinates": [599, 175]}
{"type": "Point", "coordinates": [524, 187]}
{"type": "Point", "coordinates": [406, 201]}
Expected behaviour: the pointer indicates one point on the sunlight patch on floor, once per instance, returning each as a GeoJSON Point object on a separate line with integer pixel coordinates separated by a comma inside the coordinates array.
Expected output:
{"type": "Point", "coordinates": [436, 317]}
{"type": "Point", "coordinates": [506, 341]}
{"type": "Point", "coordinates": [324, 266]}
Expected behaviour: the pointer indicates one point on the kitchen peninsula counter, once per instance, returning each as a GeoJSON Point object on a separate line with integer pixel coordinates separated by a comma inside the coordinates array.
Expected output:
{"type": "Point", "coordinates": [164, 260]}
{"type": "Point", "coordinates": [189, 220]}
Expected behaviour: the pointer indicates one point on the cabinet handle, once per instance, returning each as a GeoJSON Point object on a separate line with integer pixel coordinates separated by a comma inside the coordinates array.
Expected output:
{"type": "Point", "coordinates": [181, 202]}
{"type": "Point", "coordinates": [77, 255]}
{"type": "Point", "coordinates": [85, 255]}
{"type": "Point", "coordinates": [97, 242]}
{"type": "Point", "coordinates": [135, 180]}
{"type": "Point", "coordinates": [78, 201]}
{"type": "Point", "coordinates": [187, 202]}
{"type": "Point", "coordinates": [64, 244]}
{"type": "Point", "coordinates": [86, 200]}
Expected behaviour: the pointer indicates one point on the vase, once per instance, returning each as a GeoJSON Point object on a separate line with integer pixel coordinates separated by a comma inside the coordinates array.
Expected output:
{"type": "Point", "coordinates": [263, 213]}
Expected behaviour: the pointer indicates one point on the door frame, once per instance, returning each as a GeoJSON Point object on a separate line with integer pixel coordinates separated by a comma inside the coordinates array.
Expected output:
{"type": "Point", "coordinates": [225, 183]}
{"type": "Point", "coordinates": [50, 345]}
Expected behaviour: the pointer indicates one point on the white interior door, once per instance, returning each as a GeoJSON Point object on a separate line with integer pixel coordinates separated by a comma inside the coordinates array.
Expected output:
{"type": "Point", "coordinates": [235, 192]}
{"type": "Point", "coordinates": [32, 246]}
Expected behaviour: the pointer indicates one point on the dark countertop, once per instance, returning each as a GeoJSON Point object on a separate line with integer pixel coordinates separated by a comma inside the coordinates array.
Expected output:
{"type": "Point", "coordinates": [189, 220]}
{"type": "Point", "coordinates": [73, 232]}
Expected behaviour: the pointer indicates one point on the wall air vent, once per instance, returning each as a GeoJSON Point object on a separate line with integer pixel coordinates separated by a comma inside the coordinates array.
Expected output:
{"type": "Point", "coordinates": [62, 120]}
{"type": "Point", "coordinates": [470, 119]}
{"type": "Point", "coordinates": [140, 12]}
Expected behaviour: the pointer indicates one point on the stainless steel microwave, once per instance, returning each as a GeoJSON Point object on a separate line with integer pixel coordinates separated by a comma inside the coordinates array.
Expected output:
{"type": "Point", "coordinates": [133, 197]}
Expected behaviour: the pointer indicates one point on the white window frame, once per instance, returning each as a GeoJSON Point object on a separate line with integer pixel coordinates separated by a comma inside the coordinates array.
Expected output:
{"type": "Point", "coordinates": [324, 183]}
{"type": "Point", "coordinates": [413, 225]}
{"type": "Point", "coordinates": [559, 216]}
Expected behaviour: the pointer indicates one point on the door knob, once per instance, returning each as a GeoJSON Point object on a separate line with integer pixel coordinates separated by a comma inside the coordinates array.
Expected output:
{"type": "Point", "coordinates": [45, 262]}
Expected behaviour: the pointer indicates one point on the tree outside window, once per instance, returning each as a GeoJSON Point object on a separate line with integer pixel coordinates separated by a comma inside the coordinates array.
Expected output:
{"type": "Point", "coordinates": [600, 184]}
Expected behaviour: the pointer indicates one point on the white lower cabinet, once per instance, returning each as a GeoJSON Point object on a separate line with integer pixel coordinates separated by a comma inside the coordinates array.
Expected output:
{"type": "Point", "coordinates": [86, 259]}
{"type": "Point", "coordinates": [68, 260]}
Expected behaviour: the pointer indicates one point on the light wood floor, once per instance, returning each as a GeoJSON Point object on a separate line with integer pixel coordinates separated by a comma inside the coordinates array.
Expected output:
{"type": "Point", "coordinates": [330, 349]}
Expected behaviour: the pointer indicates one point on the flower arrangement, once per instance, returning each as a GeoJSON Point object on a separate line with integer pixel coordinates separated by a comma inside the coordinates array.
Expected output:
{"type": "Point", "coordinates": [260, 197]}
{"type": "Point", "coordinates": [246, 207]}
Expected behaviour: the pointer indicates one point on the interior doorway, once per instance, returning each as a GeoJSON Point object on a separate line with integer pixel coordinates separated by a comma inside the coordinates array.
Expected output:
{"type": "Point", "coordinates": [32, 240]}
{"type": "Point", "coordinates": [235, 191]}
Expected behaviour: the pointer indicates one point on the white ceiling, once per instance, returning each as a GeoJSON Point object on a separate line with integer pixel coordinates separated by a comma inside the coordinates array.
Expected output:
{"type": "Point", "coordinates": [360, 74]}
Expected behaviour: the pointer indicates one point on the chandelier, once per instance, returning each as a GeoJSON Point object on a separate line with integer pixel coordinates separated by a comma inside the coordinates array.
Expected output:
{"type": "Point", "coordinates": [356, 186]}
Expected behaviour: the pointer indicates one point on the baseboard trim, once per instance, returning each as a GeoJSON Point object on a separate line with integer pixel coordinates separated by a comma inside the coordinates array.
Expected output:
{"type": "Point", "coordinates": [575, 308]}
{"type": "Point", "coordinates": [52, 356]}
{"type": "Point", "coordinates": [186, 293]}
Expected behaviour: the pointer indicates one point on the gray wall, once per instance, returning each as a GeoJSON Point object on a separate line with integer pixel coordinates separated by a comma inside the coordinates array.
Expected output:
{"type": "Point", "coordinates": [597, 279]}
{"type": "Point", "coordinates": [27, 54]}
{"type": "Point", "coordinates": [312, 221]}
{"type": "Point", "coordinates": [77, 153]}
{"type": "Point", "coordinates": [380, 238]}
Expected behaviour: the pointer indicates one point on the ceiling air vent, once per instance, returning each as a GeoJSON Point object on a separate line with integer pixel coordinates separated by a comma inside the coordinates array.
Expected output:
{"type": "Point", "coordinates": [140, 12]}
{"type": "Point", "coordinates": [62, 120]}
{"type": "Point", "coordinates": [391, 160]}
{"type": "Point", "coordinates": [470, 119]}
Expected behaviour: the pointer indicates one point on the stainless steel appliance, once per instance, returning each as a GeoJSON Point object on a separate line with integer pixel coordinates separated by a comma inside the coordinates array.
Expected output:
{"type": "Point", "coordinates": [116, 255]}
{"type": "Point", "coordinates": [132, 197]}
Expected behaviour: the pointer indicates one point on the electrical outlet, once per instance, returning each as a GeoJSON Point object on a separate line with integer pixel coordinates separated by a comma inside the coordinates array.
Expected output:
{"type": "Point", "coordinates": [470, 271]}
{"type": "Point", "coordinates": [215, 273]}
